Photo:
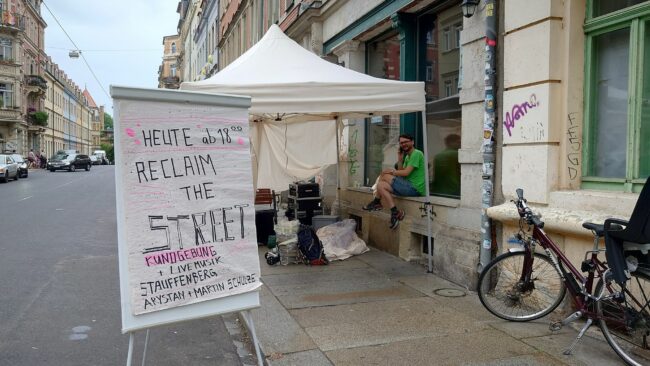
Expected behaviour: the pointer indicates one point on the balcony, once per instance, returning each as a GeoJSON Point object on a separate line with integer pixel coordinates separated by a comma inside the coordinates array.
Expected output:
{"type": "Point", "coordinates": [171, 82]}
{"type": "Point", "coordinates": [12, 21]}
{"type": "Point", "coordinates": [170, 79]}
{"type": "Point", "coordinates": [35, 84]}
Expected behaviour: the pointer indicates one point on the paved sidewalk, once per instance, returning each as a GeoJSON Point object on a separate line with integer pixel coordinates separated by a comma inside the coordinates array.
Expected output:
{"type": "Point", "coordinates": [376, 309]}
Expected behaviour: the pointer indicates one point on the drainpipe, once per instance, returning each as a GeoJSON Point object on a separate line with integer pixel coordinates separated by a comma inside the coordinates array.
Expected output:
{"type": "Point", "coordinates": [489, 119]}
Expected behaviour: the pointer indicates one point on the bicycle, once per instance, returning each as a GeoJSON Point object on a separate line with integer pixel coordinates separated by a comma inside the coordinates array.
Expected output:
{"type": "Point", "coordinates": [522, 285]}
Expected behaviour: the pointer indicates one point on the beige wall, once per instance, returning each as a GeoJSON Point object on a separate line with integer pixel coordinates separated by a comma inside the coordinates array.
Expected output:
{"type": "Point", "coordinates": [543, 66]}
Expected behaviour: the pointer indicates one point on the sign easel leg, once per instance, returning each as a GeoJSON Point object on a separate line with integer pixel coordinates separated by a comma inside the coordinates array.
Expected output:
{"type": "Point", "coordinates": [246, 314]}
{"type": "Point", "coordinates": [129, 356]}
{"type": "Point", "coordinates": [146, 342]}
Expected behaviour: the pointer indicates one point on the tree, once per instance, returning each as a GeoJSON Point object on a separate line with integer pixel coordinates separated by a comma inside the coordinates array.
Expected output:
{"type": "Point", "coordinates": [108, 121]}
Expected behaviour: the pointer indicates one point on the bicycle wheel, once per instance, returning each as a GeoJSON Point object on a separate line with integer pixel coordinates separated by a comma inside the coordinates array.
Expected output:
{"type": "Point", "coordinates": [504, 294]}
{"type": "Point", "coordinates": [625, 321]}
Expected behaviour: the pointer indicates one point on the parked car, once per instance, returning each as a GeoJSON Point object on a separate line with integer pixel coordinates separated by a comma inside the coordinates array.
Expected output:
{"type": "Point", "coordinates": [8, 168]}
{"type": "Point", "coordinates": [69, 162]}
{"type": "Point", "coordinates": [22, 165]}
{"type": "Point", "coordinates": [94, 160]}
{"type": "Point", "coordinates": [101, 155]}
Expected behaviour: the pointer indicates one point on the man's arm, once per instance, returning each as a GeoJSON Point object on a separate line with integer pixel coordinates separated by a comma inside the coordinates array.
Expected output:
{"type": "Point", "coordinates": [403, 172]}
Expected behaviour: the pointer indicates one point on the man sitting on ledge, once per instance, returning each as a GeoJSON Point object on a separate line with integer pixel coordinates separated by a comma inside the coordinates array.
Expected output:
{"type": "Point", "coordinates": [406, 180]}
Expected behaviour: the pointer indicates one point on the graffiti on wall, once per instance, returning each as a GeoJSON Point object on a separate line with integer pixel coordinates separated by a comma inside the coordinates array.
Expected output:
{"type": "Point", "coordinates": [574, 146]}
{"type": "Point", "coordinates": [518, 111]}
{"type": "Point", "coordinates": [352, 153]}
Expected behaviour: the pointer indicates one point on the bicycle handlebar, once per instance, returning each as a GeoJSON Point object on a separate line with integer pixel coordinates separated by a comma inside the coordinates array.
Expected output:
{"type": "Point", "coordinates": [525, 212]}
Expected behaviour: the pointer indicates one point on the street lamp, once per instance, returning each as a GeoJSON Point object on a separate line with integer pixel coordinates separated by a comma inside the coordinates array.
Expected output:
{"type": "Point", "coordinates": [469, 7]}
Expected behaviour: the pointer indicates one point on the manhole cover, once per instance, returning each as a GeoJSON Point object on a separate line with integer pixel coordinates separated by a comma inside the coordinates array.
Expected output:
{"type": "Point", "coordinates": [449, 292]}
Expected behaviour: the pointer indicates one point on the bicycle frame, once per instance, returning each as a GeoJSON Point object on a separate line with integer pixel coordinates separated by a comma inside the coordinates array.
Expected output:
{"type": "Point", "coordinates": [579, 286]}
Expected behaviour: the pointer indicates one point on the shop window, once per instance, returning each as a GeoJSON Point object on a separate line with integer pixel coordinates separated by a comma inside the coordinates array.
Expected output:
{"type": "Point", "coordinates": [617, 88]}
{"type": "Point", "coordinates": [443, 109]}
{"type": "Point", "coordinates": [382, 131]}
{"type": "Point", "coordinates": [603, 7]}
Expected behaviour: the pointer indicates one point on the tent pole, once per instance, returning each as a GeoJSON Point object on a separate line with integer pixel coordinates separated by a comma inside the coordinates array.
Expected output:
{"type": "Point", "coordinates": [337, 203]}
{"type": "Point", "coordinates": [427, 207]}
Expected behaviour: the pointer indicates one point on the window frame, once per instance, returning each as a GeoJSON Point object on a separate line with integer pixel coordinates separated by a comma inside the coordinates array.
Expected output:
{"type": "Point", "coordinates": [7, 92]}
{"type": "Point", "coordinates": [458, 28]}
{"type": "Point", "coordinates": [446, 36]}
{"type": "Point", "coordinates": [636, 18]}
{"type": "Point", "coordinates": [5, 47]}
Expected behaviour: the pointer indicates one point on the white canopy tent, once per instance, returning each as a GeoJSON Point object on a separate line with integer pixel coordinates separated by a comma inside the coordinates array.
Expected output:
{"type": "Point", "coordinates": [292, 91]}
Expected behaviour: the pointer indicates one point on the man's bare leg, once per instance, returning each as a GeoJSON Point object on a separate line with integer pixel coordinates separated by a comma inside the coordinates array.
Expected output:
{"type": "Point", "coordinates": [385, 193]}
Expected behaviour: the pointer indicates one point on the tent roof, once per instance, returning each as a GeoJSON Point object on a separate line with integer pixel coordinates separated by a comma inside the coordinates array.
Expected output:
{"type": "Point", "coordinates": [284, 78]}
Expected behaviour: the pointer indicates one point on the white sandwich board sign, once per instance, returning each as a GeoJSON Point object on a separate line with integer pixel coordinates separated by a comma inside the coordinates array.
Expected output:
{"type": "Point", "coordinates": [185, 213]}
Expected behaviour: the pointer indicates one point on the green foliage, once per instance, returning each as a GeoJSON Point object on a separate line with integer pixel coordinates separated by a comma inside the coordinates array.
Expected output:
{"type": "Point", "coordinates": [108, 121]}
{"type": "Point", "coordinates": [39, 118]}
{"type": "Point", "coordinates": [110, 153]}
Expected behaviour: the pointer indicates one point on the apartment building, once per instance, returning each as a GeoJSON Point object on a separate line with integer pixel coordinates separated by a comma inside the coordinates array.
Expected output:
{"type": "Point", "coordinates": [168, 73]}
{"type": "Point", "coordinates": [75, 121]}
{"type": "Point", "coordinates": [22, 86]}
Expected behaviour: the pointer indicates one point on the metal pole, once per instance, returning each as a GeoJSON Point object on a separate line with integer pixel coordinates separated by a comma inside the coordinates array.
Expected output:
{"type": "Point", "coordinates": [248, 318]}
{"type": "Point", "coordinates": [129, 355]}
{"type": "Point", "coordinates": [336, 207]}
{"type": "Point", "coordinates": [144, 353]}
{"type": "Point", "coordinates": [426, 191]}
{"type": "Point", "coordinates": [489, 119]}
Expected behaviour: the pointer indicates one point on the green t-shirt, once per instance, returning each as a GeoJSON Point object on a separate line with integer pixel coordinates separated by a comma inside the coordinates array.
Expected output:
{"type": "Point", "coordinates": [416, 178]}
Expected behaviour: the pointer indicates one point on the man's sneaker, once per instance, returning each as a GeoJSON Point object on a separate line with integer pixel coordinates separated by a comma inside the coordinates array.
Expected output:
{"type": "Point", "coordinates": [395, 218]}
{"type": "Point", "coordinates": [373, 206]}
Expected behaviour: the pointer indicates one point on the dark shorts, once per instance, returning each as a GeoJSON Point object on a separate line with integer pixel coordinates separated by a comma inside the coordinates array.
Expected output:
{"type": "Point", "coordinates": [403, 187]}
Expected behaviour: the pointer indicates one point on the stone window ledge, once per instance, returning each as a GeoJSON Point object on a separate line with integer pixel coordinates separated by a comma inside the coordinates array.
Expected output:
{"type": "Point", "coordinates": [439, 201]}
{"type": "Point", "coordinates": [568, 210]}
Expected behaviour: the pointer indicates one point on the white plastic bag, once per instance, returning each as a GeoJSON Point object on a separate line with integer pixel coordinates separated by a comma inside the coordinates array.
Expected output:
{"type": "Point", "coordinates": [340, 240]}
{"type": "Point", "coordinates": [285, 229]}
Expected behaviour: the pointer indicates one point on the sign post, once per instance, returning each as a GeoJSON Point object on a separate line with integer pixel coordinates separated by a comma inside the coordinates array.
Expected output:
{"type": "Point", "coordinates": [186, 222]}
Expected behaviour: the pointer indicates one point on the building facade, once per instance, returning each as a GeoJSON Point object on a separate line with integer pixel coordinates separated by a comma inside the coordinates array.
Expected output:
{"type": "Point", "coordinates": [96, 115]}
{"type": "Point", "coordinates": [22, 85]}
{"type": "Point", "coordinates": [168, 73]}
{"type": "Point", "coordinates": [400, 40]}
{"type": "Point", "coordinates": [74, 120]}
{"type": "Point", "coordinates": [551, 99]}
{"type": "Point", "coordinates": [575, 132]}
{"type": "Point", "coordinates": [189, 18]}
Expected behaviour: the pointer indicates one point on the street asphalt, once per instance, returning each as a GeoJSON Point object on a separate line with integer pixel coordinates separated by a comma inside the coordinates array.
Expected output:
{"type": "Point", "coordinates": [60, 302]}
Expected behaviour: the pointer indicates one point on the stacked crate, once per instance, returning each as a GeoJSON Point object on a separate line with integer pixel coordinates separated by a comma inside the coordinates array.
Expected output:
{"type": "Point", "coordinates": [304, 202]}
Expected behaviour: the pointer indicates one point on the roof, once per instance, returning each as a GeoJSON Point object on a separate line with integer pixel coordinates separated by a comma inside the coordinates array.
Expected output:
{"type": "Point", "coordinates": [89, 98]}
{"type": "Point", "coordinates": [283, 77]}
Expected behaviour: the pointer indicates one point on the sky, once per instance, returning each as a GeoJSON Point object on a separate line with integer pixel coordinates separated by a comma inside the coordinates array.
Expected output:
{"type": "Point", "coordinates": [120, 39]}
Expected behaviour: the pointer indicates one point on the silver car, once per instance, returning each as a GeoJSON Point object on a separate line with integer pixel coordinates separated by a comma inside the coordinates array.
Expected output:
{"type": "Point", "coordinates": [8, 168]}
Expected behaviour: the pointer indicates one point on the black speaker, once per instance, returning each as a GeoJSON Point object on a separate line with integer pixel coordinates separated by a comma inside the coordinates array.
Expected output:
{"type": "Point", "coordinates": [264, 225]}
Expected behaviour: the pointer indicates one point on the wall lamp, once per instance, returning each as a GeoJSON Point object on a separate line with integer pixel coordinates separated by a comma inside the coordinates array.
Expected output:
{"type": "Point", "coordinates": [469, 7]}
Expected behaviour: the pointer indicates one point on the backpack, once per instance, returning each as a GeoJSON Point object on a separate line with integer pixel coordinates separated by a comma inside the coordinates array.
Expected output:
{"type": "Point", "coordinates": [310, 247]}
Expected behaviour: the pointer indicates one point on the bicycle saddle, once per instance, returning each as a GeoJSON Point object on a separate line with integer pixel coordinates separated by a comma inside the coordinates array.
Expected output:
{"type": "Point", "coordinates": [599, 229]}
